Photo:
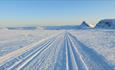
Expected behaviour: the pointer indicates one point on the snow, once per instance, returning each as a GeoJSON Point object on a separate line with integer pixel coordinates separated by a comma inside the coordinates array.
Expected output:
{"type": "Point", "coordinates": [106, 23]}
{"type": "Point", "coordinates": [84, 25]}
{"type": "Point", "coordinates": [102, 41]}
{"type": "Point", "coordinates": [87, 49]}
{"type": "Point", "coordinates": [11, 40]}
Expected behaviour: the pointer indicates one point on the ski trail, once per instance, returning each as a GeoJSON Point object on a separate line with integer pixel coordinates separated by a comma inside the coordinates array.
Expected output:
{"type": "Point", "coordinates": [29, 55]}
{"type": "Point", "coordinates": [21, 50]}
{"type": "Point", "coordinates": [70, 60]}
{"type": "Point", "coordinates": [61, 57]}
{"type": "Point", "coordinates": [51, 55]}
{"type": "Point", "coordinates": [67, 64]}
{"type": "Point", "coordinates": [50, 60]}
{"type": "Point", "coordinates": [74, 65]}
{"type": "Point", "coordinates": [23, 63]}
{"type": "Point", "coordinates": [80, 56]}
{"type": "Point", "coordinates": [62, 51]}
{"type": "Point", "coordinates": [89, 57]}
{"type": "Point", "coordinates": [32, 56]}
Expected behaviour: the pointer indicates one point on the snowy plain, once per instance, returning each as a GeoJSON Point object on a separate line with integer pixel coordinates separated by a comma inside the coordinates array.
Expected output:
{"type": "Point", "coordinates": [90, 49]}
{"type": "Point", "coordinates": [11, 40]}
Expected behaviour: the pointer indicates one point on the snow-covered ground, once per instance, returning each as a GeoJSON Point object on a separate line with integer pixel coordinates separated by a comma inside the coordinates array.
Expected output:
{"type": "Point", "coordinates": [91, 49]}
{"type": "Point", "coordinates": [102, 41]}
{"type": "Point", "coordinates": [11, 40]}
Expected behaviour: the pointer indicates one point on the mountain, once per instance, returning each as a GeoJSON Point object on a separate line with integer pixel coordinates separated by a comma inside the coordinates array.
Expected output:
{"type": "Point", "coordinates": [21, 28]}
{"type": "Point", "coordinates": [106, 23]}
{"type": "Point", "coordinates": [66, 27]}
{"type": "Point", "coordinates": [83, 25]}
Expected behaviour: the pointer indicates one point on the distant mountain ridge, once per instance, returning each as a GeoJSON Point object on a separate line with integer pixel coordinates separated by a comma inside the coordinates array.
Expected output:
{"type": "Point", "coordinates": [21, 28]}
{"type": "Point", "coordinates": [26, 28]}
{"type": "Point", "coordinates": [106, 24]}
{"type": "Point", "coordinates": [83, 25]}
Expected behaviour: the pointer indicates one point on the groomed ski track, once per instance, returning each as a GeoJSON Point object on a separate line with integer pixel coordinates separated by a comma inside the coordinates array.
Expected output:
{"type": "Point", "coordinates": [60, 52]}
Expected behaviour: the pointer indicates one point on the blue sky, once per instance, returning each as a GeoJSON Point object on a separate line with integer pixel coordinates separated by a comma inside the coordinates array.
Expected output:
{"type": "Point", "coordinates": [53, 12]}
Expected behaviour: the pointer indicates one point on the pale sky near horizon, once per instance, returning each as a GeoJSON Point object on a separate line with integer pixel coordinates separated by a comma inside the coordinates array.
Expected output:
{"type": "Point", "coordinates": [54, 12]}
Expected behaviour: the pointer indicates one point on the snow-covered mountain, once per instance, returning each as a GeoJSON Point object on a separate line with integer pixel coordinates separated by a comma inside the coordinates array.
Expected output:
{"type": "Point", "coordinates": [106, 23]}
{"type": "Point", "coordinates": [83, 25]}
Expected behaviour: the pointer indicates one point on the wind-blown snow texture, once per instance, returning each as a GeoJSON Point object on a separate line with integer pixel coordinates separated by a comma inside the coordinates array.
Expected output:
{"type": "Point", "coordinates": [66, 50]}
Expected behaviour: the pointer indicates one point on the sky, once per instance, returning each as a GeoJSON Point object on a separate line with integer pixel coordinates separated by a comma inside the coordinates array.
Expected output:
{"type": "Point", "coordinates": [54, 12]}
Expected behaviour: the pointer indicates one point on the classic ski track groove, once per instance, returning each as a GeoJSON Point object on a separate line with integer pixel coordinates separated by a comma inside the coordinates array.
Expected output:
{"type": "Point", "coordinates": [49, 51]}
